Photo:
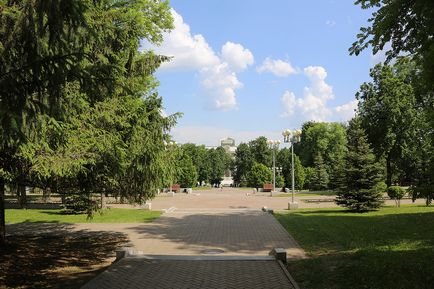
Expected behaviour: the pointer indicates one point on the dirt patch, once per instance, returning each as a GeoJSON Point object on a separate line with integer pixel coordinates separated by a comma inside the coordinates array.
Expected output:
{"type": "Point", "coordinates": [66, 260]}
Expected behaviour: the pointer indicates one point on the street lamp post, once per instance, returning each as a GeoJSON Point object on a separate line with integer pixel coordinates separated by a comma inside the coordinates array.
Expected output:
{"type": "Point", "coordinates": [274, 144]}
{"type": "Point", "coordinates": [296, 136]}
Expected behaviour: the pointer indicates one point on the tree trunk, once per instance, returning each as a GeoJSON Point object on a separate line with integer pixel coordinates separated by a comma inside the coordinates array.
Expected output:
{"type": "Point", "coordinates": [22, 196]}
{"type": "Point", "coordinates": [46, 194]}
{"type": "Point", "coordinates": [2, 213]}
{"type": "Point", "coordinates": [103, 200]}
{"type": "Point", "coordinates": [388, 172]}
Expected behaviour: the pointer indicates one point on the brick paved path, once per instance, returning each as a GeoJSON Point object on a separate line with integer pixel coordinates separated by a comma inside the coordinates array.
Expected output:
{"type": "Point", "coordinates": [197, 233]}
{"type": "Point", "coordinates": [239, 233]}
{"type": "Point", "coordinates": [156, 274]}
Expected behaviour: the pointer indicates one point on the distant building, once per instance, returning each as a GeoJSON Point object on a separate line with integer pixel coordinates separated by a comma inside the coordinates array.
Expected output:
{"type": "Point", "coordinates": [229, 145]}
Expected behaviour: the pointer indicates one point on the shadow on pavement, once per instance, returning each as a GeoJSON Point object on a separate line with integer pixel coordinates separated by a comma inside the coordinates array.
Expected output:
{"type": "Point", "coordinates": [53, 256]}
{"type": "Point", "coordinates": [234, 232]}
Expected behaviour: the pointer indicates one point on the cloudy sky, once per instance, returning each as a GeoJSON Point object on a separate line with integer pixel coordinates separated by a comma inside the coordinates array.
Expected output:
{"type": "Point", "coordinates": [249, 68]}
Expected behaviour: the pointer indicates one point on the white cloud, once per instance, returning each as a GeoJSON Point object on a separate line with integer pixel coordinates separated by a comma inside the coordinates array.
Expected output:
{"type": "Point", "coordinates": [277, 67]}
{"type": "Point", "coordinates": [220, 84]}
{"type": "Point", "coordinates": [330, 23]}
{"type": "Point", "coordinates": [210, 135]}
{"type": "Point", "coordinates": [217, 73]}
{"type": "Point", "coordinates": [237, 56]}
{"type": "Point", "coordinates": [346, 111]}
{"type": "Point", "coordinates": [289, 103]}
{"type": "Point", "coordinates": [188, 51]}
{"type": "Point", "coordinates": [313, 105]}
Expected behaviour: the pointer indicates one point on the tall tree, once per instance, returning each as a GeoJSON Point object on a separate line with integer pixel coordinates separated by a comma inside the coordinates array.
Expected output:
{"type": "Point", "coordinates": [320, 178]}
{"type": "Point", "coordinates": [283, 160]}
{"type": "Point", "coordinates": [242, 164]}
{"type": "Point", "coordinates": [259, 175]}
{"type": "Point", "coordinates": [220, 162]}
{"type": "Point", "coordinates": [198, 154]}
{"type": "Point", "coordinates": [187, 175]}
{"type": "Point", "coordinates": [325, 139]}
{"type": "Point", "coordinates": [361, 172]}
{"type": "Point", "coordinates": [406, 26]}
{"type": "Point", "coordinates": [387, 108]}
{"type": "Point", "coordinates": [48, 45]}
{"type": "Point", "coordinates": [260, 151]}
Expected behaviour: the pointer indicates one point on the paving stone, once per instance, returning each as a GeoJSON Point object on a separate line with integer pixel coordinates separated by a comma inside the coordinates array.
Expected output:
{"type": "Point", "coordinates": [130, 273]}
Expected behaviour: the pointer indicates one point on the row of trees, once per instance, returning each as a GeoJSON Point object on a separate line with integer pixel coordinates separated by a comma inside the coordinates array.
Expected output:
{"type": "Point", "coordinates": [391, 138]}
{"type": "Point", "coordinates": [79, 110]}
{"type": "Point", "coordinates": [194, 164]}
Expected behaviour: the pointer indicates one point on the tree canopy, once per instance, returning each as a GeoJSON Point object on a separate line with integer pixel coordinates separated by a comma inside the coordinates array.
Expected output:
{"type": "Point", "coordinates": [79, 110]}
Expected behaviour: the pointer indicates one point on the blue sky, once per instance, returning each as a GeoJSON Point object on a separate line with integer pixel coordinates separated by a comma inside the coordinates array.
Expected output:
{"type": "Point", "coordinates": [249, 68]}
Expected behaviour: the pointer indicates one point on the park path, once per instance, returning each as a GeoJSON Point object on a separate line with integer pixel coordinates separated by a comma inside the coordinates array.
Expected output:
{"type": "Point", "coordinates": [200, 249]}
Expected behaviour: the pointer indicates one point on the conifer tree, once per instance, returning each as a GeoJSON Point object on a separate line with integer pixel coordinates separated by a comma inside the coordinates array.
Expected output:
{"type": "Point", "coordinates": [360, 174]}
{"type": "Point", "coordinates": [320, 179]}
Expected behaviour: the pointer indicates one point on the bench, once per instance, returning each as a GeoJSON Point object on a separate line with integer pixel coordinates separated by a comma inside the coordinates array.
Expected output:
{"type": "Point", "coordinates": [176, 188]}
{"type": "Point", "coordinates": [267, 187]}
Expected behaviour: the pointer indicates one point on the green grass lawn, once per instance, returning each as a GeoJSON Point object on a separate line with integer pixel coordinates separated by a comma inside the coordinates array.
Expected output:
{"type": "Point", "coordinates": [392, 248]}
{"type": "Point", "coordinates": [107, 216]}
{"type": "Point", "coordinates": [307, 194]}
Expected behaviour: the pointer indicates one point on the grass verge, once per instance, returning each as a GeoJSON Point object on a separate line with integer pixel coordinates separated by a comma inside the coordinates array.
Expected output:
{"type": "Point", "coordinates": [106, 216]}
{"type": "Point", "coordinates": [313, 194]}
{"type": "Point", "coordinates": [389, 248]}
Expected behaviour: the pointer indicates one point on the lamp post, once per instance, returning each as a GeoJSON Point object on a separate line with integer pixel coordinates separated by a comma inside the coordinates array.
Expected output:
{"type": "Point", "coordinates": [295, 138]}
{"type": "Point", "coordinates": [274, 144]}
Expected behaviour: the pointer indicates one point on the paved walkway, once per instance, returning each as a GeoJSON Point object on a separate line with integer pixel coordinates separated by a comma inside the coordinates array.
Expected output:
{"type": "Point", "coordinates": [235, 198]}
{"type": "Point", "coordinates": [241, 233]}
{"type": "Point", "coordinates": [156, 274]}
{"type": "Point", "coordinates": [200, 249]}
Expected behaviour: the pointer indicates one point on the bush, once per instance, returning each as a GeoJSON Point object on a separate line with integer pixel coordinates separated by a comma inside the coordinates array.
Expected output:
{"type": "Point", "coordinates": [258, 175]}
{"type": "Point", "coordinates": [396, 193]}
{"type": "Point", "coordinates": [380, 187]}
{"type": "Point", "coordinates": [78, 204]}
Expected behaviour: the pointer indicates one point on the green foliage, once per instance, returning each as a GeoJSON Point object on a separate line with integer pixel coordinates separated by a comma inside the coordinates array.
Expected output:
{"type": "Point", "coordinates": [396, 193]}
{"type": "Point", "coordinates": [199, 156]}
{"type": "Point", "coordinates": [187, 175]}
{"type": "Point", "coordinates": [242, 164]}
{"type": "Point", "coordinates": [260, 151]}
{"type": "Point", "coordinates": [78, 106]}
{"type": "Point", "coordinates": [78, 204]}
{"type": "Point", "coordinates": [361, 173]}
{"type": "Point", "coordinates": [283, 160]}
{"type": "Point", "coordinates": [380, 187]}
{"type": "Point", "coordinates": [327, 140]}
{"type": "Point", "coordinates": [280, 181]}
{"type": "Point", "coordinates": [422, 191]}
{"type": "Point", "coordinates": [351, 250]}
{"type": "Point", "coordinates": [310, 178]}
{"type": "Point", "coordinates": [407, 29]}
{"type": "Point", "coordinates": [406, 26]}
{"type": "Point", "coordinates": [259, 175]}
{"type": "Point", "coordinates": [320, 178]}
{"type": "Point", "coordinates": [388, 112]}
{"type": "Point", "coordinates": [221, 161]}
{"type": "Point", "coordinates": [111, 215]}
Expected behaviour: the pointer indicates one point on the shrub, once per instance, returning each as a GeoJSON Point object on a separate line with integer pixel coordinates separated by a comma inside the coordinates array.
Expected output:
{"type": "Point", "coordinates": [380, 187]}
{"type": "Point", "coordinates": [396, 193]}
{"type": "Point", "coordinates": [78, 204]}
{"type": "Point", "coordinates": [258, 175]}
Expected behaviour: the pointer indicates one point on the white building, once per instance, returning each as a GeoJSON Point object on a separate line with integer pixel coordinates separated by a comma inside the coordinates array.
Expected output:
{"type": "Point", "coordinates": [229, 145]}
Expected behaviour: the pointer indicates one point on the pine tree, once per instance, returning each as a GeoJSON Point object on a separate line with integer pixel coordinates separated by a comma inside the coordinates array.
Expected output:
{"type": "Point", "coordinates": [361, 173]}
{"type": "Point", "coordinates": [321, 177]}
